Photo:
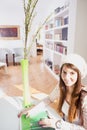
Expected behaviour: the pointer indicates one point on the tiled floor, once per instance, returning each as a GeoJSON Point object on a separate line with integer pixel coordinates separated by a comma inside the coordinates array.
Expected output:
{"type": "Point", "coordinates": [39, 78]}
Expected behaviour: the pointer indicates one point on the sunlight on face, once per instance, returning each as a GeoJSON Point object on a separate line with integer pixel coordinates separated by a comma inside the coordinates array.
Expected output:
{"type": "Point", "coordinates": [69, 76]}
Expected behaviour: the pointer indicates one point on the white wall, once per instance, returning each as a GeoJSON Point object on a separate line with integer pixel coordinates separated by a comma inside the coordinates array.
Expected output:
{"type": "Point", "coordinates": [81, 28]}
{"type": "Point", "coordinates": [78, 27]}
{"type": "Point", "coordinates": [11, 13]}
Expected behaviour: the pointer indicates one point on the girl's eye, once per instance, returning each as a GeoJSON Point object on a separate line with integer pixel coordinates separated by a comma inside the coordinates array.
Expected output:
{"type": "Point", "coordinates": [64, 72]}
{"type": "Point", "coordinates": [72, 73]}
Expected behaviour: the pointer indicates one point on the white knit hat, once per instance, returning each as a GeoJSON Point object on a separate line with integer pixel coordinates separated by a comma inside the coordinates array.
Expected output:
{"type": "Point", "coordinates": [77, 61]}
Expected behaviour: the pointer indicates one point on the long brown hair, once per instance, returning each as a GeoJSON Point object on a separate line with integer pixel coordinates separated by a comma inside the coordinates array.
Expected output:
{"type": "Point", "coordinates": [75, 95]}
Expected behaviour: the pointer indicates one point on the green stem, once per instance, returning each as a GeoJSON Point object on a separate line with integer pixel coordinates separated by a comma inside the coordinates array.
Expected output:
{"type": "Point", "coordinates": [26, 87]}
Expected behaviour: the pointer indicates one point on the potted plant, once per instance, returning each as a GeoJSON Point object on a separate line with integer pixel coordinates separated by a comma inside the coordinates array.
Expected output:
{"type": "Point", "coordinates": [29, 14]}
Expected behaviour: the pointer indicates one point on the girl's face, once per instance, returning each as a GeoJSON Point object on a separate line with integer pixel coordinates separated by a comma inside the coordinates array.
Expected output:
{"type": "Point", "coordinates": [69, 76]}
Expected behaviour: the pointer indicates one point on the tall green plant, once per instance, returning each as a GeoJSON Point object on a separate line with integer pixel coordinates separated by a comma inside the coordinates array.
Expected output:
{"type": "Point", "coordinates": [29, 14]}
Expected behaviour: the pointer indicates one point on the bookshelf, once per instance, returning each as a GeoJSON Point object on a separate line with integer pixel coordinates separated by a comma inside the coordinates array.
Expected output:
{"type": "Point", "coordinates": [56, 39]}
{"type": "Point", "coordinates": [65, 33]}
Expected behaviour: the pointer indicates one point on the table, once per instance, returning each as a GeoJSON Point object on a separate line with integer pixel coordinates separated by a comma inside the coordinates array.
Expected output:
{"type": "Point", "coordinates": [4, 66]}
{"type": "Point", "coordinates": [11, 106]}
{"type": "Point", "coordinates": [40, 95]}
{"type": "Point", "coordinates": [38, 112]}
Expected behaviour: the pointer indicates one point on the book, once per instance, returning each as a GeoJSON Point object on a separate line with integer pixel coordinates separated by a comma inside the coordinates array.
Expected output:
{"type": "Point", "coordinates": [31, 123]}
{"type": "Point", "coordinates": [64, 33]}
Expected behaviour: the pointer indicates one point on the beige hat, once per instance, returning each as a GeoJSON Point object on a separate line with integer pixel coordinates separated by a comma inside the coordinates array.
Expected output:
{"type": "Point", "coordinates": [77, 61]}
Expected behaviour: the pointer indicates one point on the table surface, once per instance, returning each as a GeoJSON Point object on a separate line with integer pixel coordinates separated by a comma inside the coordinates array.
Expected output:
{"type": "Point", "coordinates": [40, 108]}
{"type": "Point", "coordinates": [34, 92]}
{"type": "Point", "coordinates": [11, 106]}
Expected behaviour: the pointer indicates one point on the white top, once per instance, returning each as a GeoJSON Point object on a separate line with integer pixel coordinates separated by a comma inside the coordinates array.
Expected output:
{"type": "Point", "coordinates": [65, 108]}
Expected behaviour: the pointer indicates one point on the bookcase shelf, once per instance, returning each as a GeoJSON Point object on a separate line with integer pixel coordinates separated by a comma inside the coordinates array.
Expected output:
{"type": "Point", "coordinates": [65, 33]}
{"type": "Point", "coordinates": [56, 37]}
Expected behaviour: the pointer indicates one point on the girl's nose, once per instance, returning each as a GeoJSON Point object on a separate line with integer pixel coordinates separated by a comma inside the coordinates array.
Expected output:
{"type": "Point", "coordinates": [67, 76]}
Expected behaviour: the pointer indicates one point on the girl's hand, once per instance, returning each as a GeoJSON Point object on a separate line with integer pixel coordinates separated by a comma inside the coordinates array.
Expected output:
{"type": "Point", "coordinates": [25, 112]}
{"type": "Point", "coordinates": [47, 122]}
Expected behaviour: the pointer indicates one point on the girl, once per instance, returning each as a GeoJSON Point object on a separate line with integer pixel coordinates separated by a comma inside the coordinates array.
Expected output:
{"type": "Point", "coordinates": [70, 96]}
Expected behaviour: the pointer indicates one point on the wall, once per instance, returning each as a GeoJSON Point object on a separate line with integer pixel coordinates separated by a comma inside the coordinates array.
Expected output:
{"type": "Point", "coordinates": [11, 13]}
{"type": "Point", "coordinates": [78, 27]}
{"type": "Point", "coordinates": [81, 28]}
